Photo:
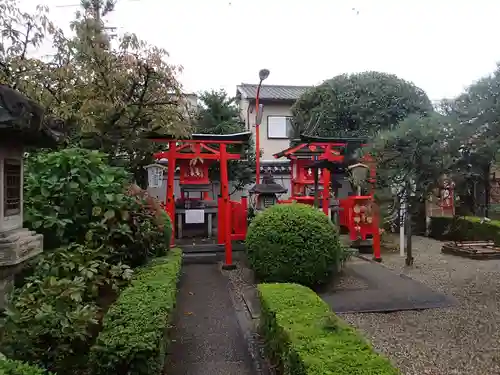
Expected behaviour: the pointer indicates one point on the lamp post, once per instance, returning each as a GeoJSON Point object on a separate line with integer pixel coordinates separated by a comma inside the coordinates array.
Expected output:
{"type": "Point", "coordinates": [263, 74]}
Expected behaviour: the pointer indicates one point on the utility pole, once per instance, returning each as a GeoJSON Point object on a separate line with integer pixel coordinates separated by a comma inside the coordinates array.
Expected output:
{"type": "Point", "coordinates": [95, 9]}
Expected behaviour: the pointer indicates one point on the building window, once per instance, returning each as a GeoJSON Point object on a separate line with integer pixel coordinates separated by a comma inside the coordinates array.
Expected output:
{"type": "Point", "coordinates": [278, 127]}
{"type": "Point", "coordinates": [12, 187]}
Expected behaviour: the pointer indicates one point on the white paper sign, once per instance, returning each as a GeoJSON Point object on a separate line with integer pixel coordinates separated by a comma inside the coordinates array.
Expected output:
{"type": "Point", "coordinates": [195, 216]}
{"type": "Point", "coordinates": [155, 176]}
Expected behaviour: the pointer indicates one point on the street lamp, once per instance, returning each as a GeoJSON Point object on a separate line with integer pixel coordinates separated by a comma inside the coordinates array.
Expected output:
{"type": "Point", "coordinates": [263, 74]}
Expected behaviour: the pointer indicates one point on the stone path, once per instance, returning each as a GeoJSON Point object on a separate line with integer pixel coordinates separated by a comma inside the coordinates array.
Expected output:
{"type": "Point", "coordinates": [385, 291]}
{"type": "Point", "coordinates": [207, 336]}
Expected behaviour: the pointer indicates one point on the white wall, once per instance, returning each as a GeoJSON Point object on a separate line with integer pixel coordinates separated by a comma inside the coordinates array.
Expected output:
{"type": "Point", "coordinates": [269, 146]}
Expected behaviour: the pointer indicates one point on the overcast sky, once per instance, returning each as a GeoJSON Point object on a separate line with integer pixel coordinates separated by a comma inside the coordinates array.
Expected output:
{"type": "Point", "coordinates": [440, 45]}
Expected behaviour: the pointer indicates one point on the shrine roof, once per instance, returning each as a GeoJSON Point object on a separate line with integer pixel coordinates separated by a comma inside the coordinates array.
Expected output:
{"type": "Point", "coordinates": [272, 188]}
{"type": "Point", "coordinates": [243, 137]}
{"type": "Point", "coordinates": [345, 145]}
{"type": "Point", "coordinates": [268, 186]}
{"type": "Point", "coordinates": [339, 140]}
{"type": "Point", "coordinates": [22, 119]}
{"type": "Point", "coordinates": [304, 151]}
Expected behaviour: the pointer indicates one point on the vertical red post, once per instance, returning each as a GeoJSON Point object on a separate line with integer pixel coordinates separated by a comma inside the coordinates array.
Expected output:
{"type": "Point", "coordinates": [224, 181]}
{"type": "Point", "coordinates": [220, 221]}
{"type": "Point", "coordinates": [292, 178]}
{"type": "Point", "coordinates": [257, 136]}
{"type": "Point", "coordinates": [376, 234]}
{"type": "Point", "coordinates": [326, 190]}
{"type": "Point", "coordinates": [170, 203]}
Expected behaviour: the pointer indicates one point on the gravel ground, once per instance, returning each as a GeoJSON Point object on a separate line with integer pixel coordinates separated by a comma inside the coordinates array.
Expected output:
{"type": "Point", "coordinates": [464, 339]}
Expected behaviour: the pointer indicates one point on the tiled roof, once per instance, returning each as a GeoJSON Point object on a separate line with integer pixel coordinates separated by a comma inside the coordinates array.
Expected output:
{"type": "Point", "coordinates": [275, 166]}
{"type": "Point", "coordinates": [271, 92]}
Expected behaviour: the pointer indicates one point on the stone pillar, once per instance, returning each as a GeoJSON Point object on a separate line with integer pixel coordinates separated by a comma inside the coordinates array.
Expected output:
{"type": "Point", "coordinates": [6, 282]}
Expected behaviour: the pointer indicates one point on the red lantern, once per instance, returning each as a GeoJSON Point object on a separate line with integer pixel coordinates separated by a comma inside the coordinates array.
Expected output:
{"type": "Point", "coordinates": [359, 216]}
{"type": "Point", "coordinates": [447, 201]}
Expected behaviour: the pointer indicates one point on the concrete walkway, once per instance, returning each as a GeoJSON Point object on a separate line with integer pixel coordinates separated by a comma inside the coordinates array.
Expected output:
{"type": "Point", "coordinates": [207, 337]}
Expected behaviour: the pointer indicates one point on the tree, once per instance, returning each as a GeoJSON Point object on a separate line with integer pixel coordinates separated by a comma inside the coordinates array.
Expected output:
{"type": "Point", "coordinates": [108, 93]}
{"type": "Point", "coordinates": [218, 114]}
{"type": "Point", "coordinates": [358, 105]}
{"type": "Point", "coordinates": [477, 110]}
{"type": "Point", "coordinates": [414, 157]}
{"type": "Point", "coordinates": [20, 31]}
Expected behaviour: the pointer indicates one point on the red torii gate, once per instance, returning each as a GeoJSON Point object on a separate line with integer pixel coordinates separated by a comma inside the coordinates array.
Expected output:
{"type": "Point", "coordinates": [205, 147]}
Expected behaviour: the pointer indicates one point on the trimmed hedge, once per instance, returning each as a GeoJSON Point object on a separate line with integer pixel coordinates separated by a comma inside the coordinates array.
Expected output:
{"type": "Point", "coordinates": [466, 228]}
{"type": "Point", "coordinates": [134, 335]}
{"type": "Point", "coordinates": [303, 336]}
{"type": "Point", "coordinates": [293, 243]}
{"type": "Point", "coordinates": [11, 367]}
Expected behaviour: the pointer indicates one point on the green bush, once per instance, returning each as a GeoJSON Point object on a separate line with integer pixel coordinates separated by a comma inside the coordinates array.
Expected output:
{"type": "Point", "coordinates": [74, 196]}
{"type": "Point", "coordinates": [133, 339]}
{"type": "Point", "coordinates": [52, 318]}
{"type": "Point", "coordinates": [166, 224]}
{"type": "Point", "coordinates": [466, 228]}
{"type": "Point", "coordinates": [293, 243]}
{"type": "Point", "coordinates": [10, 367]}
{"type": "Point", "coordinates": [304, 337]}
{"type": "Point", "coordinates": [95, 232]}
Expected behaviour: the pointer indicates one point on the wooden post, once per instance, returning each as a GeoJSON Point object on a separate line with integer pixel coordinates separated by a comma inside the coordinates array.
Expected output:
{"type": "Point", "coordinates": [170, 202]}
{"type": "Point", "coordinates": [224, 180]}
{"type": "Point", "coordinates": [376, 232]}
{"type": "Point", "coordinates": [220, 221]}
{"type": "Point", "coordinates": [326, 190]}
{"type": "Point", "coordinates": [316, 186]}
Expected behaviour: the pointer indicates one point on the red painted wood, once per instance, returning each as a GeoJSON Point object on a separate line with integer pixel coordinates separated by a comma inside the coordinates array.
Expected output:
{"type": "Point", "coordinates": [220, 221]}
{"type": "Point", "coordinates": [170, 202]}
{"type": "Point", "coordinates": [224, 181]}
{"type": "Point", "coordinates": [194, 174]}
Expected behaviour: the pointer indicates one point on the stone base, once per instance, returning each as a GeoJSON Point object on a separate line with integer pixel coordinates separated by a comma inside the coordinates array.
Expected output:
{"type": "Point", "coordinates": [19, 245]}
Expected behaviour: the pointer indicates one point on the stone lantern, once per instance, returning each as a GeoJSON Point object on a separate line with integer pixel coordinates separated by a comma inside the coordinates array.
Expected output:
{"type": "Point", "coordinates": [21, 128]}
{"type": "Point", "coordinates": [155, 175]}
{"type": "Point", "coordinates": [358, 177]}
{"type": "Point", "coordinates": [267, 192]}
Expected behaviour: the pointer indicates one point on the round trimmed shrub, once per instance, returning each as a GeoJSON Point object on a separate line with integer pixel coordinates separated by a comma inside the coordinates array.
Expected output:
{"type": "Point", "coordinates": [293, 243]}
